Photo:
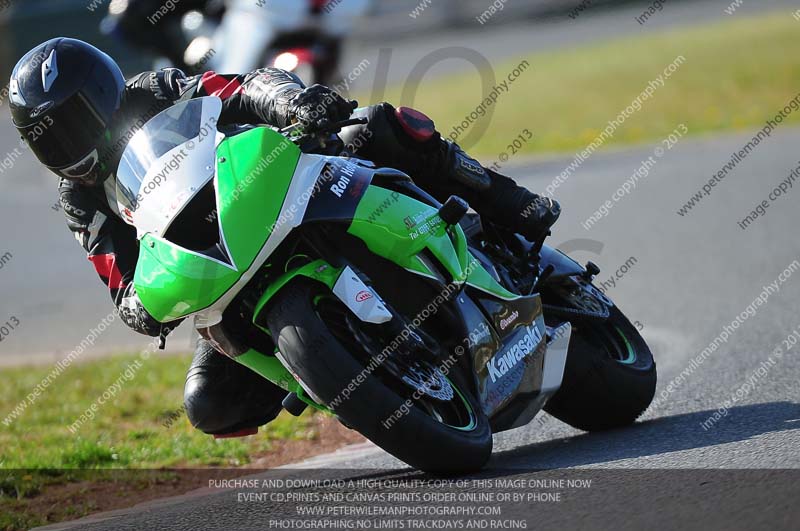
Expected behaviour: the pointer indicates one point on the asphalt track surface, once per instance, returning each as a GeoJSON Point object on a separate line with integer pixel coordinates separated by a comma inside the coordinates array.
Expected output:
{"type": "Point", "coordinates": [693, 275]}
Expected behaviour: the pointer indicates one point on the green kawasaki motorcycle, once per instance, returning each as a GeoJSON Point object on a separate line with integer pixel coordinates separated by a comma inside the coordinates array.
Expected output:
{"type": "Point", "coordinates": [417, 324]}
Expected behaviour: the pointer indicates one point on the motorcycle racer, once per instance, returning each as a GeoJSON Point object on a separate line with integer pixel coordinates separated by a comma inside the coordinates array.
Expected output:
{"type": "Point", "coordinates": [77, 113]}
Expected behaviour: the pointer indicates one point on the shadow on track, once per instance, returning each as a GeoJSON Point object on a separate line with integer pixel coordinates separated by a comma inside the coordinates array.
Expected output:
{"type": "Point", "coordinates": [653, 437]}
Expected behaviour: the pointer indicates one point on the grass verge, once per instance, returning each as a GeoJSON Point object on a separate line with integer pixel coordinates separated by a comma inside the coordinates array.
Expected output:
{"type": "Point", "coordinates": [142, 427]}
{"type": "Point", "coordinates": [737, 74]}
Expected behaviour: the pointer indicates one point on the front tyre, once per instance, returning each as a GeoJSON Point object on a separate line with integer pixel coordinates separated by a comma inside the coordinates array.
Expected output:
{"type": "Point", "coordinates": [609, 378]}
{"type": "Point", "coordinates": [443, 441]}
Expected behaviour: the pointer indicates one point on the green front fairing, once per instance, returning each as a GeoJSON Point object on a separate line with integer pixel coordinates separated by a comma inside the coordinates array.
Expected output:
{"type": "Point", "coordinates": [173, 283]}
{"type": "Point", "coordinates": [254, 171]}
{"type": "Point", "coordinates": [398, 227]}
{"type": "Point", "coordinates": [252, 183]}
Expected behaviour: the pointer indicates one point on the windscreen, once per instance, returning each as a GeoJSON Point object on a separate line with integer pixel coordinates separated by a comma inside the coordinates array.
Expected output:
{"type": "Point", "coordinates": [166, 163]}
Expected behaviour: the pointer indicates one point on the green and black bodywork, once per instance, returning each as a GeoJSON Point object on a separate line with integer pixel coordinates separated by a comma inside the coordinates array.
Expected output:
{"type": "Point", "coordinates": [369, 298]}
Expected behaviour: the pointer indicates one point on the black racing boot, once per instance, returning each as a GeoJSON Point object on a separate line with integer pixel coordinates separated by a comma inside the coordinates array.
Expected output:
{"type": "Point", "coordinates": [516, 208]}
{"type": "Point", "coordinates": [226, 399]}
{"type": "Point", "coordinates": [407, 139]}
{"type": "Point", "coordinates": [495, 197]}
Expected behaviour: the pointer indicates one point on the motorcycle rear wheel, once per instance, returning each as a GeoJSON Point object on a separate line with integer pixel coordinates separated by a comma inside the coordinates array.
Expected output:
{"type": "Point", "coordinates": [609, 378]}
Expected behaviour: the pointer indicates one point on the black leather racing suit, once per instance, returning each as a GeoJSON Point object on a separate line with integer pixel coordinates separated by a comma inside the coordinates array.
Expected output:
{"type": "Point", "coordinates": [222, 396]}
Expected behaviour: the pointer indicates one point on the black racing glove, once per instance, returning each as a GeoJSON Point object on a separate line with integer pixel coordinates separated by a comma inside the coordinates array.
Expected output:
{"type": "Point", "coordinates": [317, 105]}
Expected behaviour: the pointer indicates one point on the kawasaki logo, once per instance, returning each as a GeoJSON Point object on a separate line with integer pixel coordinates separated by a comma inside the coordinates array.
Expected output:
{"type": "Point", "coordinates": [501, 363]}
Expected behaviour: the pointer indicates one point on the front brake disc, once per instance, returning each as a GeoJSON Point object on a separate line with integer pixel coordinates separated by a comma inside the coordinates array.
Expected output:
{"type": "Point", "coordinates": [429, 381]}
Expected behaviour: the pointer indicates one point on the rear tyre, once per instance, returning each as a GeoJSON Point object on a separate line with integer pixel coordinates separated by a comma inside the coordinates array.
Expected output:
{"type": "Point", "coordinates": [609, 378]}
{"type": "Point", "coordinates": [365, 400]}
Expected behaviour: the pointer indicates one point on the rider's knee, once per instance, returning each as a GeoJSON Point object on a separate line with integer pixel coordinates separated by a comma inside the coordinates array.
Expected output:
{"type": "Point", "coordinates": [205, 411]}
{"type": "Point", "coordinates": [221, 395]}
{"type": "Point", "coordinates": [203, 398]}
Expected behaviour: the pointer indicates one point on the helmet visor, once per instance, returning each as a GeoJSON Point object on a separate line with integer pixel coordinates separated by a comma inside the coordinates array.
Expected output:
{"type": "Point", "coordinates": [66, 135]}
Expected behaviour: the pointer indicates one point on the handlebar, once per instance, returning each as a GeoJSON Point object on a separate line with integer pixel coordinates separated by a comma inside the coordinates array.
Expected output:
{"type": "Point", "coordinates": [319, 136]}
{"type": "Point", "coordinates": [323, 128]}
{"type": "Point", "coordinates": [338, 126]}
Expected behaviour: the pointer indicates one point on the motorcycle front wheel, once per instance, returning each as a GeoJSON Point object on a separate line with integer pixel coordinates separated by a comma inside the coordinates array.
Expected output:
{"type": "Point", "coordinates": [441, 430]}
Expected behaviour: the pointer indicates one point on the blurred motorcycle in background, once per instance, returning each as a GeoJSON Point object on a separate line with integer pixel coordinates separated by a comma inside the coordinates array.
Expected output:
{"type": "Point", "coordinates": [302, 36]}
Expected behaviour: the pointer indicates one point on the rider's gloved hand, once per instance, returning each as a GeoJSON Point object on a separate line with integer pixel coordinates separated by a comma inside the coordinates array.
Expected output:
{"type": "Point", "coordinates": [319, 104]}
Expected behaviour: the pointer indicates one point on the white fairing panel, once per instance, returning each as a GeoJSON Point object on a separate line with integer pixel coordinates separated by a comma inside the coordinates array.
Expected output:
{"type": "Point", "coordinates": [556, 358]}
{"type": "Point", "coordinates": [360, 298]}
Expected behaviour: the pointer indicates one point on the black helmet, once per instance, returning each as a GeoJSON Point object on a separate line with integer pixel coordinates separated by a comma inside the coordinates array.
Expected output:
{"type": "Point", "coordinates": [62, 96]}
